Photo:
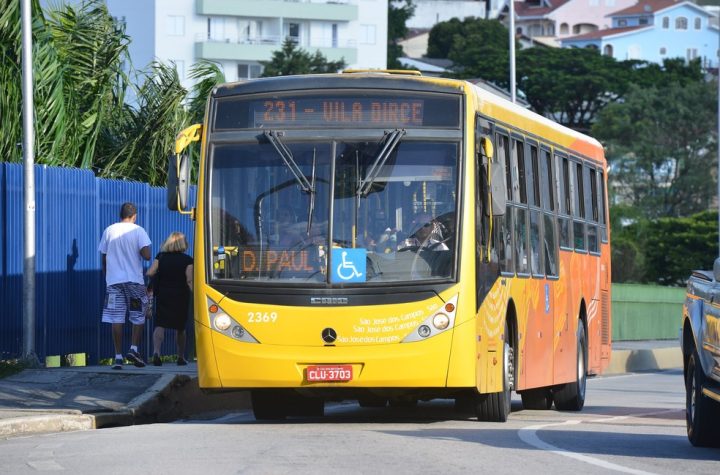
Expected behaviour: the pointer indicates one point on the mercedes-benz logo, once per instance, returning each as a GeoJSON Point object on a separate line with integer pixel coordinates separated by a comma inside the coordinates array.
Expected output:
{"type": "Point", "coordinates": [329, 335]}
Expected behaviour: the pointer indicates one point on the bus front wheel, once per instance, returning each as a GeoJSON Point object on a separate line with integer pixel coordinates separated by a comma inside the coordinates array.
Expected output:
{"type": "Point", "coordinates": [495, 407]}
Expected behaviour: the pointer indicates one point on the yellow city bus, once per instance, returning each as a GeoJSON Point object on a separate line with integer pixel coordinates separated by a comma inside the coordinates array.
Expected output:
{"type": "Point", "coordinates": [388, 238]}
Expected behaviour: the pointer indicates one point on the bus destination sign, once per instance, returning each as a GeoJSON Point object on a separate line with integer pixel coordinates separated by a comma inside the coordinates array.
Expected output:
{"type": "Point", "coordinates": [338, 110]}
{"type": "Point", "coordinates": [348, 111]}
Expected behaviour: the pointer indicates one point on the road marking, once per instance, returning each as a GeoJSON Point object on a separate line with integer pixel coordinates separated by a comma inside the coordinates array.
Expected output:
{"type": "Point", "coordinates": [46, 466]}
{"type": "Point", "coordinates": [529, 436]}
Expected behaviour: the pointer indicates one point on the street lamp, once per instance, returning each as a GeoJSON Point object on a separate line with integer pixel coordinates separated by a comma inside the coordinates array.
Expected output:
{"type": "Point", "coordinates": [512, 50]}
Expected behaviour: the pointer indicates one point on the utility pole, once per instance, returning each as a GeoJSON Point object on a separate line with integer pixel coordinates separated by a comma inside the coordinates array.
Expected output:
{"type": "Point", "coordinates": [512, 50]}
{"type": "Point", "coordinates": [28, 349]}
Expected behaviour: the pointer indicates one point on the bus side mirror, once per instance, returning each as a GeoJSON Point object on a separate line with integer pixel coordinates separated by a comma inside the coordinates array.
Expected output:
{"type": "Point", "coordinates": [716, 269]}
{"type": "Point", "coordinates": [497, 178]}
{"type": "Point", "coordinates": [178, 182]}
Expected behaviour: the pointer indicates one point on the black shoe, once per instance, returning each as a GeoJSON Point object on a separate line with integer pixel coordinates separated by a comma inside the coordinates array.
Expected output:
{"type": "Point", "coordinates": [135, 358]}
{"type": "Point", "coordinates": [118, 363]}
{"type": "Point", "coordinates": [156, 360]}
{"type": "Point", "coordinates": [181, 362]}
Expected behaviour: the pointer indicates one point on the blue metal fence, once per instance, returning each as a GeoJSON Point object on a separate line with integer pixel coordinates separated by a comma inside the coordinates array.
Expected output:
{"type": "Point", "coordinates": [73, 207]}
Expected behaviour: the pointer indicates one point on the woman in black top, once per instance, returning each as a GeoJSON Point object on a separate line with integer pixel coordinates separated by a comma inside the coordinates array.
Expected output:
{"type": "Point", "coordinates": [171, 272]}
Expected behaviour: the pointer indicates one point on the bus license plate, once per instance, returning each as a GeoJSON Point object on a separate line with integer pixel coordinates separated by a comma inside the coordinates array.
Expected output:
{"type": "Point", "coordinates": [329, 373]}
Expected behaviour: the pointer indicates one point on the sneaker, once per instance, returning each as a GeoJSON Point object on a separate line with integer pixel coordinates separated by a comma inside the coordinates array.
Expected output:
{"type": "Point", "coordinates": [156, 360]}
{"type": "Point", "coordinates": [182, 362]}
{"type": "Point", "coordinates": [118, 363]}
{"type": "Point", "coordinates": [135, 358]}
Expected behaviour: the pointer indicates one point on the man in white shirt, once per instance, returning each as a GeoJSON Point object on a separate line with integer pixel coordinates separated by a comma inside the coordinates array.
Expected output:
{"type": "Point", "coordinates": [123, 247]}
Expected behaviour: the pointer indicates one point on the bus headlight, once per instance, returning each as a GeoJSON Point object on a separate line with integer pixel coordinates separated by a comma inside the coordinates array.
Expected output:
{"type": "Point", "coordinates": [424, 331]}
{"type": "Point", "coordinates": [237, 331]}
{"type": "Point", "coordinates": [441, 321]}
{"type": "Point", "coordinates": [222, 322]}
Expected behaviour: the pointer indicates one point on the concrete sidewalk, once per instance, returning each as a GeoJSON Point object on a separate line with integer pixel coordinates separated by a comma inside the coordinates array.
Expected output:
{"type": "Point", "coordinates": [80, 398]}
{"type": "Point", "coordinates": [93, 397]}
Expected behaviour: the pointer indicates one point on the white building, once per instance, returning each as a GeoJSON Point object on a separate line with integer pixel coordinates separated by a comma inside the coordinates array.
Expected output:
{"type": "Point", "coordinates": [239, 34]}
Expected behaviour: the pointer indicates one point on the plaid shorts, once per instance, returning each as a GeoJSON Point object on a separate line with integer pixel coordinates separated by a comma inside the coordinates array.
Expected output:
{"type": "Point", "coordinates": [125, 300]}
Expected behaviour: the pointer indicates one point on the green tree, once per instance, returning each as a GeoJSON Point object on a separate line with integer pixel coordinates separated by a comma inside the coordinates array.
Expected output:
{"type": "Point", "coordinates": [674, 247]}
{"type": "Point", "coordinates": [661, 146]}
{"type": "Point", "coordinates": [628, 231]}
{"type": "Point", "coordinates": [671, 71]}
{"type": "Point", "coordinates": [478, 48]}
{"type": "Point", "coordinates": [291, 59]}
{"type": "Point", "coordinates": [81, 115]}
{"type": "Point", "coordinates": [570, 85]}
{"type": "Point", "coordinates": [442, 37]}
{"type": "Point", "coordinates": [399, 12]}
{"type": "Point", "coordinates": [77, 77]}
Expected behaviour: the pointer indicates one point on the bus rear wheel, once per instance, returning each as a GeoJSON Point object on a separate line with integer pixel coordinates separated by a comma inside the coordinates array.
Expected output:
{"type": "Point", "coordinates": [571, 396]}
{"type": "Point", "coordinates": [495, 407]}
{"type": "Point", "coordinates": [539, 399]}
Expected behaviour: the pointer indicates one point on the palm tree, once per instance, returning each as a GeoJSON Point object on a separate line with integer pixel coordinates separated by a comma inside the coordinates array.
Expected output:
{"type": "Point", "coordinates": [81, 70]}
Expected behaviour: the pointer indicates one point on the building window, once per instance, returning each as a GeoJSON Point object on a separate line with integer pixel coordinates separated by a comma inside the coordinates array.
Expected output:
{"type": "Point", "coordinates": [564, 29]}
{"type": "Point", "coordinates": [681, 23]}
{"type": "Point", "coordinates": [666, 23]}
{"type": "Point", "coordinates": [334, 35]}
{"type": "Point", "coordinates": [175, 25]}
{"type": "Point", "coordinates": [691, 54]}
{"type": "Point", "coordinates": [249, 71]}
{"type": "Point", "coordinates": [608, 50]}
{"type": "Point", "coordinates": [294, 32]}
{"type": "Point", "coordinates": [609, 3]}
{"type": "Point", "coordinates": [698, 22]}
{"type": "Point", "coordinates": [663, 51]}
{"type": "Point", "coordinates": [643, 21]}
{"type": "Point", "coordinates": [216, 29]}
{"type": "Point", "coordinates": [367, 34]}
{"type": "Point", "coordinates": [622, 22]}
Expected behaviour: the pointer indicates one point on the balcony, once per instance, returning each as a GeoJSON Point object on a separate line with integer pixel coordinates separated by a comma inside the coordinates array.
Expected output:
{"type": "Point", "coordinates": [325, 10]}
{"type": "Point", "coordinates": [262, 48]}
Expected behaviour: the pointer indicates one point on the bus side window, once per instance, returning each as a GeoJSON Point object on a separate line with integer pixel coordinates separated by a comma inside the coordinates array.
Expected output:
{"type": "Point", "coordinates": [502, 241]}
{"type": "Point", "coordinates": [592, 226]}
{"type": "Point", "coordinates": [533, 172]}
{"type": "Point", "coordinates": [564, 199]}
{"type": "Point", "coordinates": [601, 200]}
{"type": "Point", "coordinates": [547, 184]}
{"type": "Point", "coordinates": [520, 234]}
{"type": "Point", "coordinates": [579, 208]}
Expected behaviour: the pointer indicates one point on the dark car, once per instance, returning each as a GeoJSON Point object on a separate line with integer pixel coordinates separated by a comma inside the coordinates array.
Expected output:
{"type": "Point", "coordinates": [700, 343]}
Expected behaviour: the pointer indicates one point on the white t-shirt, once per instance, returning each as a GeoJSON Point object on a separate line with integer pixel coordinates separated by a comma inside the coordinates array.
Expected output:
{"type": "Point", "coordinates": [121, 244]}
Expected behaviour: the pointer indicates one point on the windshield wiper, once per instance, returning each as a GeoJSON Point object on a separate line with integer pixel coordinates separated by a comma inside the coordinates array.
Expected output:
{"type": "Point", "coordinates": [273, 137]}
{"type": "Point", "coordinates": [311, 206]}
{"type": "Point", "coordinates": [391, 141]}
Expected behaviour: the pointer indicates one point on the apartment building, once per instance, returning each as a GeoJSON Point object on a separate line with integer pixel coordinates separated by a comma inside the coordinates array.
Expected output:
{"type": "Point", "coordinates": [240, 34]}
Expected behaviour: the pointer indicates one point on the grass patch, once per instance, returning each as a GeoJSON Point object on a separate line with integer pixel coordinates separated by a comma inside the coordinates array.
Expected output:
{"type": "Point", "coordinates": [10, 367]}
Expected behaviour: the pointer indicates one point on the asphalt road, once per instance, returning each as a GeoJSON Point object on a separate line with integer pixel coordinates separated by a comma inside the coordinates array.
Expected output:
{"type": "Point", "coordinates": [630, 424]}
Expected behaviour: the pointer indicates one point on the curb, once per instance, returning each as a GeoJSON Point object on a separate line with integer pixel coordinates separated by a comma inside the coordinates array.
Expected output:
{"type": "Point", "coordinates": [628, 361]}
{"type": "Point", "coordinates": [46, 423]}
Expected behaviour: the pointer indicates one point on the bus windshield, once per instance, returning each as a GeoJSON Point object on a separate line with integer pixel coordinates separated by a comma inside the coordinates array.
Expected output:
{"type": "Point", "coordinates": [334, 212]}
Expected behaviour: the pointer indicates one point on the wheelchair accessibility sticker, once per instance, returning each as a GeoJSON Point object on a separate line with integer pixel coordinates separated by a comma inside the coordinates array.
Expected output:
{"type": "Point", "coordinates": [348, 265]}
